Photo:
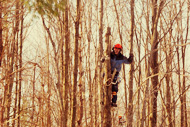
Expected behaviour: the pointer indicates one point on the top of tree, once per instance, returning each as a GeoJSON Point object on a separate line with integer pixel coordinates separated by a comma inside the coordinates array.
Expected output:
{"type": "Point", "coordinates": [47, 8]}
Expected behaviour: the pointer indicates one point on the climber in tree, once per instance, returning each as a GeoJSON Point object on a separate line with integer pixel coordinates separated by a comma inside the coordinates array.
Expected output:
{"type": "Point", "coordinates": [117, 59]}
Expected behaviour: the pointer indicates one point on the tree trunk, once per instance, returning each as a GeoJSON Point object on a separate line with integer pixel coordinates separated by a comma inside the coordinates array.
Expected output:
{"type": "Point", "coordinates": [20, 64]}
{"type": "Point", "coordinates": [182, 84]}
{"type": "Point", "coordinates": [1, 33]}
{"type": "Point", "coordinates": [147, 72]}
{"type": "Point", "coordinates": [81, 88]}
{"type": "Point", "coordinates": [180, 87]}
{"type": "Point", "coordinates": [130, 106]}
{"type": "Point", "coordinates": [184, 89]}
{"type": "Point", "coordinates": [10, 78]}
{"type": "Point", "coordinates": [49, 87]}
{"type": "Point", "coordinates": [139, 81]}
{"type": "Point", "coordinates": [184, 70]}
{"type": "Point", "coordinates": [89, 32]}
{"type": "Point", "coordinates": [168, 93]}
{"type": "Point", "coordinates": [33, 94]}
{"type": "Point", "coordinates": [154, 60]}
{"type": "Point", "coordinates": [168, 79]}
{"type": "Point", "coordinates": [100, 88]}
{"type": "Point", "coordinates": [63, 23]}
{"type": "Point", "coordinates": [145, 100]}
{"type": "Point", "coordinates": [16, 58]}
{"type": "Point", "coordinates": [96, 82]}
{"type": "Point", "coordinates": [75, 73]}
{"type": "Point", "coordinates": [107, 92]}
{"type": "Point", "coordinates": [67, 39]}
{"type": "Point", "coordinates": [173, 103]}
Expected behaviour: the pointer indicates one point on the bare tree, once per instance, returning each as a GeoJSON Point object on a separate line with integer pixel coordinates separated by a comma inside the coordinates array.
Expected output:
{"type": "Point", "coordinates": [168, 80]}
{"type": "Point", "coordinates": [67, 39]}
{"type": "Point", "coordinates": [145, 103]}
{"type": "Point", "coordinates": [1, 33]}
{"type": "Point", "coordinates": [130, 106]}
{"type": "Point", "coordinates": [75, 73]}
{"type": "Point", "coordinates": [185, 124]}
{"type": "Point", "coordinates": [81, 87]}
{"type": "Point", "coordinates": [154, 60]}
{"type": "Point", "coordinates": [100, 90]}
{"type": "Point", "coordinates": [11, 62]}
{"type": "Point", "coordinates": [90, 85]}
{"type": "Point", "coordinates": [17, 11]}
{"type": "Point", "coordinates": [20, 63]}
{"type": "Point", "coordinates": [108, 77]}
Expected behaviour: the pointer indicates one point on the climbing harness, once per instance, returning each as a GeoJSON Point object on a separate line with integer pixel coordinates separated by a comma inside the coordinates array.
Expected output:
{"type": "Point", "coordinates": [118, 80]}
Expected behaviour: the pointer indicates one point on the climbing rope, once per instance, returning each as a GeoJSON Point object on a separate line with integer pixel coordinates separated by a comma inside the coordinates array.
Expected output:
{"type": "Point", "coordinates": [112, 83]}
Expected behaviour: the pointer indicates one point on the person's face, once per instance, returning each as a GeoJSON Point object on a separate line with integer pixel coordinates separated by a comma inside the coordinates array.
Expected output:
{"type": "Point", "coordinates": [116, 50]}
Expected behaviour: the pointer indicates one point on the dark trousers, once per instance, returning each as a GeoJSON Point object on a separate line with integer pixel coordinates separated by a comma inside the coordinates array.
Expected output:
{"type": "Point", "coordinates": [115, 88]}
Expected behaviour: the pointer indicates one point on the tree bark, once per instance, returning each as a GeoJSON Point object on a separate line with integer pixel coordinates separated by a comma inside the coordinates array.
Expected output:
{"type": "Point", "coordinates": [33, 94]}
{"type": "Point", "coordinates": [49, 86]}
{"type": "Point", "coordinates": [75, 73]}
{"type": "Point", "coordinates": [20, 63]}
{"type": "Point", "coordinates": [130, 106]}
{"type": "Point", "coordinates": [139, 81]}
{"type": "Point", "coordinates": [81, 88]}
{"type": "Point", "coordinates": [184, 70]}
{"type": "Point", "coordinates": [90, 85]}
{"type": "Point", "coordinates": [100, 88]}
{"type": "Point", "coordinates": [107, 92]}
{"type": "Point", "coordinates": [67, 39]}
{"type": "Point", "coordinates": [17, 19]}
{"type": "Point", "coordinates": [168, 91]}
{"type": "Point", "coordinates": [154, 61]}
{"type": "Point", "coordinates": [96, 90]}
{"type": "Point", "coordinates": [11, 62]}
{"type": "Point", "coordinates": [145, 103]}
{"type": "Point", "coordinates": [1, 33]}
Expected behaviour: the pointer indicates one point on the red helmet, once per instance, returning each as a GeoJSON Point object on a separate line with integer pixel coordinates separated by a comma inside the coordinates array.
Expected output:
{"type": "Point", "coordinates": [120, 117]}
{"type": "Point", "coordinates": [118, 46]}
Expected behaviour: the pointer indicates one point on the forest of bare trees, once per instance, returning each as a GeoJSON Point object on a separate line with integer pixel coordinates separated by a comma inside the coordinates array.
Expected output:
{"type": "Point", "coordinates": [51, 74]}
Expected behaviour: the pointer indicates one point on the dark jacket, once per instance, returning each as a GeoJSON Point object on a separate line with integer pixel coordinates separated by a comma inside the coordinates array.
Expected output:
{"type": "Point", "coordinates": [117, 60]}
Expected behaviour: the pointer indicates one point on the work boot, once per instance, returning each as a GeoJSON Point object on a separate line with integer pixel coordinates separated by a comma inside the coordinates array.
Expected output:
{"type": "Point", "coordinates": [113, 104]}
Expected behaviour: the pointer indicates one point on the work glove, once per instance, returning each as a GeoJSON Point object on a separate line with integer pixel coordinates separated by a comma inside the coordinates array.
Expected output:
{"type": "Point", "coordinates": [103, 59]}
{"type": "Point", "coordinates": [130, 59]}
